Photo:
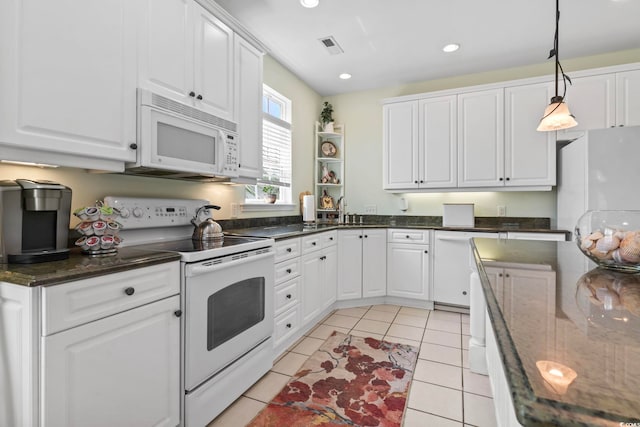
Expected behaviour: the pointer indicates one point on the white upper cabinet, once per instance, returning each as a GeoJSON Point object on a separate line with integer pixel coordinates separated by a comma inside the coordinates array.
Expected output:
{"type": "Point", "coordinates": [400, 139]}
{"type": "Point", "coordinates": [481, 139]}
{"type": "Point", "coordinates": [67, 79]}
{"type": "Point", "coordinates": [628, 98]}
{"type": "Point", "coordinates": [248, 64]}
{"type": "Point", "coordinates": [591, 100]}
{"type": "Point", "coordinates": [529, 155]}
{"type": "Point", "coordinates": [186, 54]}
{"type": "Point", "coordinates": [437, 146]}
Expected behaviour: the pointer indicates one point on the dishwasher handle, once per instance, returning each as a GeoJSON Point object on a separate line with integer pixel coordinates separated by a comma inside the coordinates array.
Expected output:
{"type": "Point", "coordinates": [453, 239]}
{"type": "Point", "coordinates": [205, 267]}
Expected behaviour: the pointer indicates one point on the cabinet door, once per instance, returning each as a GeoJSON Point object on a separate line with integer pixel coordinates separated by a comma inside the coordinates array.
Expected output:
{"type": "Point", "coordinates": [529, 155]}
{"type": "Point", "coordinates": [591, 101]}
{"type": "Point", "coordinates": [438, 143]}
{"type": "Point", "coordinates": [248, 65]}
{"type": "Point", "coordinates": [407, 271]}
{"type": "Point", "coordinates": [539, 289]}
{"type": "Point", "coordinates": [166, 56]}
{"type": "Point", "coordinates": [374, 263]}
{"type": "Point", "coordinates": [496, 278]}
{"type": "Point", "coordinates": [481, 139]}
{"type": "Point", "coordinates": [400, 139]}
{"type": "Point", "coordinates": [350, 264]}
{"type": "Point", "coordinates": [213, 64]}
{"type": "Point", "coordinates": [628, 98]}
{"type": "Point", "coordinates": [68, 80]}
{"type": "Point", "coordinates": [123, 370]}
{"type": "Point", "coordinates": [311, 286]}
{"type": "Point", "coordinates": [329, 275]}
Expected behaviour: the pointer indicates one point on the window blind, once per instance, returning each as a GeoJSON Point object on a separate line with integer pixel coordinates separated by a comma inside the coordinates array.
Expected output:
{"type": "Point", "coordinates": [276, 151]}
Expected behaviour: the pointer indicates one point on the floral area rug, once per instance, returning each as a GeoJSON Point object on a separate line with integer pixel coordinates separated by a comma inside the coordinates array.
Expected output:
{"type": "Point", "coordinates": [348, 381]}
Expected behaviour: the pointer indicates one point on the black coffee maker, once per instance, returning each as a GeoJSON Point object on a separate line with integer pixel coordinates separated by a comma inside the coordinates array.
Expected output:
{"type": "Point", "coordinates": [34, 221]}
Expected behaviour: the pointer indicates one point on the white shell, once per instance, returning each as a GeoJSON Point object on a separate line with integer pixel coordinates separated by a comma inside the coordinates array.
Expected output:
{"type": "Point", "coordinates": [630, 247]}
{"type": "Point", "coordinates": [607, 243]}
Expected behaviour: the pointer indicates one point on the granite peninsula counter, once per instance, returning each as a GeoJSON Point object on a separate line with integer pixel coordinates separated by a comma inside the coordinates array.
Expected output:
{"type": "Point", "coordinates": [550, 315]}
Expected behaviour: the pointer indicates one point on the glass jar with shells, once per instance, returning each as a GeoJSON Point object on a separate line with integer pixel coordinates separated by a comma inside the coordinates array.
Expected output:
{"type": "Point", "coordinates": [610, 238]}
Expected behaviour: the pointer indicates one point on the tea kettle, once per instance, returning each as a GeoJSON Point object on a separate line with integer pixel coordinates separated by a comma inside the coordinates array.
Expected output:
{"type": "Point", "coordinates": [206, 229]}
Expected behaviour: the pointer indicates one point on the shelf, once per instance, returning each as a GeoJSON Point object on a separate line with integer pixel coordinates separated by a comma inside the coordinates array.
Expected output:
{"type": "Point", "coordinates": [328, 185]}
{"type": "Point", "coordinates": [328, 159]}
{"type": "Point", "coordinates": [330, 135]}
{"type": "Point", "coordinates": [333, 165]}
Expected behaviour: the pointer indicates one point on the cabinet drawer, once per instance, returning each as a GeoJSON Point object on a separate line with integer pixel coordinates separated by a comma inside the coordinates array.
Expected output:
{"type": "Point", "coordinates": [312, 243]}
{"type": "Point", "coordinates": [286, 295]}
{"type": "Point", "coordinates": [408, 236]}
{"type": "Point", "coordinates": [329, 238]}
{"type": "Point", "coordinates": [286, 325]}
{"type": "Point", "coordinates": [286, 270]}
{"type": "Point", "coordinates": [287, 249]}
{"type": "Point", "coordinates": [72, 304]}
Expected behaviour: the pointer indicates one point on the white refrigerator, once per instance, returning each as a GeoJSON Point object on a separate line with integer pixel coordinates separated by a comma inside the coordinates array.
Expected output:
{"type": "Point", "coordinates": [598, 171]}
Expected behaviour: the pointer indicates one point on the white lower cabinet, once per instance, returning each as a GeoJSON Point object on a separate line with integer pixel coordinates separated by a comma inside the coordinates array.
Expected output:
{"type": "Point", "coordinates": [103, 351]}
{"type": "Point", "coordinates": [362, 263]}
{"type": "Point", "coordinates": [408, 264]}
{"type": "Point", "coordinates": [319, 271]}
{"type": "Point", "coordinates": [123, 370]}
{"type": "Point", "coordinates": [287, 292]}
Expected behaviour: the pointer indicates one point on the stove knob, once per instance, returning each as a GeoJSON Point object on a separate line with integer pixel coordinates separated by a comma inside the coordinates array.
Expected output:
{"type": "Point", "coordinates": [124, 213]}
{"type": "Point", "coordinates": [137, 212]}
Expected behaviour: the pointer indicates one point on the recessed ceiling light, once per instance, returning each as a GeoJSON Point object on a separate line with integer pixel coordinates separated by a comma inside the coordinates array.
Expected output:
{"type": "Point", "coordinates": [345, 76]}
{"type": "Point", "coordinates": [309, 3]}
{"type": "Point", "coordinates": [451, 47]}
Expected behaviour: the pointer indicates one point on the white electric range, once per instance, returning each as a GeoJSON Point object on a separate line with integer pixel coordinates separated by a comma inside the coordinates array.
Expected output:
{"type": "Point", "coordinates": [226, 300]}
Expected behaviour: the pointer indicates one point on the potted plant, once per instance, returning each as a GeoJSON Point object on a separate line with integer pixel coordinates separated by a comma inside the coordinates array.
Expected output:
{"type": "Point", "coordinates": [270, 193]}
{"type": "Point", "coordinates": [326, 117]}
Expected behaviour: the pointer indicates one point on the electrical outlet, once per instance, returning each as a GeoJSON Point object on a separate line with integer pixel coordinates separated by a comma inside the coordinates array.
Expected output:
{"type": "Point", "coordinates": [502, 211]}
{"type": "Point", "coordinates": [370, 209]}
{"type": "Point", "coordinates": [235, 210]}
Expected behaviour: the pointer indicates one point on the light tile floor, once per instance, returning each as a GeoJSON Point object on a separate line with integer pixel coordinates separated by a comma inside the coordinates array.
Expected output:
{"type": "Point", "coordinates": [443, 391]}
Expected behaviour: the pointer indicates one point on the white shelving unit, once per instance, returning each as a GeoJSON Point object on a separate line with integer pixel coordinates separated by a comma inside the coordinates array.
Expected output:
{"type": "Point", "coordinates": [334, 165]}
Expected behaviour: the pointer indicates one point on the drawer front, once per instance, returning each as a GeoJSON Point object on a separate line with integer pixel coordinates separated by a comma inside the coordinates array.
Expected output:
{"type": "Point", "coordinates": [287, 270]}
{"type": "Point", "coordinates": [286, 325]}
{"type": "Point", "coordinates": [408, 236]}
{"type": "Point", "coordinates": [286, 295]}
{"type": "Point", "coordinates": [329, 238]}
{"type": "Point", "coordinates": [287, 249]}
{"type": "Point", "coordinates": [72, 304]}
{"type": "Point", "coordinates": [312, 243]}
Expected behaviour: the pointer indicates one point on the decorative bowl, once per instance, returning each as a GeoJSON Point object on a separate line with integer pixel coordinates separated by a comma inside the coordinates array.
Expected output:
{"type": "Point", "coordinates": [611, 239]}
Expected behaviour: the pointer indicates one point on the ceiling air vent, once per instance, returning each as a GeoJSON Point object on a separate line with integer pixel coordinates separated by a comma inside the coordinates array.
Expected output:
{"type": "Point", "coordinates": [331, 45]}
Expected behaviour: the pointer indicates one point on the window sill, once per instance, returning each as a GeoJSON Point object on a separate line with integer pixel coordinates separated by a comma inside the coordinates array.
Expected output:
{"type": "Point", "coordinates": [266, 207]}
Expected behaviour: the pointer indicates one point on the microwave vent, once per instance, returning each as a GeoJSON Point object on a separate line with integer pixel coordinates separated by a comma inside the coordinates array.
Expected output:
{"type": "Point", "coordinates": [194, 113]}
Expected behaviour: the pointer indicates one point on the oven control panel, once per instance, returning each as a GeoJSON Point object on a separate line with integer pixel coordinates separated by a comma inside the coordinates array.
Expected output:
{"type": "Point", "coordinates": [139, 212]}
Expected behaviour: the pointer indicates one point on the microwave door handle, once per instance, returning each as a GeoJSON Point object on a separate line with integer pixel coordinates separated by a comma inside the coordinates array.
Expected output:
{"type": "Point", "coordinates": [222, 151]}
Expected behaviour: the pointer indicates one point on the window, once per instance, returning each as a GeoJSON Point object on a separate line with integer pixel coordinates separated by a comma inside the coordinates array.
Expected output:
{"type": "Point", "coordinates": [276, 151]}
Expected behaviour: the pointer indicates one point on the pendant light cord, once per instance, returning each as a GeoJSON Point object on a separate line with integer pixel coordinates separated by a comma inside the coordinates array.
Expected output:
{"type": "Point", "coordinates": [554, 53]}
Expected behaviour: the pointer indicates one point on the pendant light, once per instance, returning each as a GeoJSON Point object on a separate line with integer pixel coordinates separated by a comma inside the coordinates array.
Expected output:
{"type": "Point", "coordinates": [557, 115]}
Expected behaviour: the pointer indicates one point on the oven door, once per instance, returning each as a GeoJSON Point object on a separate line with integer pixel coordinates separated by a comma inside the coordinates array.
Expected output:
{"type": "Point", "coordinates": [176, 143]}
{"type": "Point", "coordinates": [228, 310]}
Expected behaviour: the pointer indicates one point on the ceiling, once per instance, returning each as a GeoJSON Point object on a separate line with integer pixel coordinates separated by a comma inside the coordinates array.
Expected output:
{"type": "Point", "coordinates": [394, 42]}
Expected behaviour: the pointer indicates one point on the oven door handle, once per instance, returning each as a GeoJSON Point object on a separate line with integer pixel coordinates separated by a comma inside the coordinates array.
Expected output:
{"type": "Point", "coordinates": [205, 267]}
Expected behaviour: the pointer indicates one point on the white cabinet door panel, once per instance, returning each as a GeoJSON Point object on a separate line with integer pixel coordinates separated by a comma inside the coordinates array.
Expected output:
{"type": "Point", "coordinates": [400, 138]}
{"type": "Point", "coordinates": [628, 98]}
{"type": "Point", "coordinates": [438, 143]}
{"type": "Point", "coordinates": [350, 264]}
{"type": "Point", "coordinates": [68, 78]}
{"type": "Point", "coordinates": [481, 139]}
{"type": "Point", "coordinates": [407, 271]}
{"type": "Point", "coordinates": [374, 263]}
{"type": "Point", "coordinates": [85, 368]}
{"type": "Point", "coordinates": [213, 64]}
{"type": "Point", "coordinates": [530, 156]}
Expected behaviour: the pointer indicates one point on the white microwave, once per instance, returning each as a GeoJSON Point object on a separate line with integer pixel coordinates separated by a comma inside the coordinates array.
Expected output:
{"type": "Point", "coordinates": [175, 140]}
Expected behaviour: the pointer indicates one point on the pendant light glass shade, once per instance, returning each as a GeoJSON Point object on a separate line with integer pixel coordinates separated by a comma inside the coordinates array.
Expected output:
{"type": "Point", "coordinates": [557, 116]}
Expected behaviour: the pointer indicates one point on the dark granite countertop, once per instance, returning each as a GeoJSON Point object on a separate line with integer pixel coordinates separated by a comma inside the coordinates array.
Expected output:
{"type": "Point", "coordinates": [557, 306]}
{"type": "Point", "coordinates": [483, 224]}
{"type": "Point", "coordinates": [79, 266]}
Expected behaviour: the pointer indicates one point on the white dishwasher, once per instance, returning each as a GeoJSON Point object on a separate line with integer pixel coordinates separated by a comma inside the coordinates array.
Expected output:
{"type": "Point", "coordinates": [451, 267]}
